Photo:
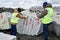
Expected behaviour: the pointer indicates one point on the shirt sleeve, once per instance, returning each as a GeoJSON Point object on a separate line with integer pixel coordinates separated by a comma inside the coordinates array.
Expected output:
{"type": "Point", "coordinates": [20, 16]}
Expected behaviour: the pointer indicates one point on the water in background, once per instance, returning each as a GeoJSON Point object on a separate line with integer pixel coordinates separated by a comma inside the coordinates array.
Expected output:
{"type": "Point", "coordinates": [25, 3]}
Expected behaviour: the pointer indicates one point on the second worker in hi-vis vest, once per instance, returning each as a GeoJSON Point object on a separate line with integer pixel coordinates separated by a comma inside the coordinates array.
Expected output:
{"type": "Point", "coordinates": [47, 18]}
{"type": "Point", "coordinates": [16, 15]}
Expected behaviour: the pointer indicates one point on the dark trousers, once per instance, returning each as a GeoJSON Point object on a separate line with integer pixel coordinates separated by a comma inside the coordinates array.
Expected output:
{"type": "Point", "coordinates": [13, 29]}
{"type": "Point", "coordinates": [45, 31]}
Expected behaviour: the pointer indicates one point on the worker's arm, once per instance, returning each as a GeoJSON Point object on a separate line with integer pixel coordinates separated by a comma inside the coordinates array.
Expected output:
{"type": "Point", "coordinates": [43, 13]}
{"type": "Point", "coordinates": [21, 16]}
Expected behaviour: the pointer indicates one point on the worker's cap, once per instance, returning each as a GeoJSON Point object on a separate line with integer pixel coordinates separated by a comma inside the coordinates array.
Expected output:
{"type": "Point", "coordinates": [44, 4]}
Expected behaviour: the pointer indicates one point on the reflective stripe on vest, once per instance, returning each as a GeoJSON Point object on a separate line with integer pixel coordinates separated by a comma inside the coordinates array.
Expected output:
{"type": "Point", "coordinates": [49, 17]}
{"type": "Point", "coordinates": [14, 19]}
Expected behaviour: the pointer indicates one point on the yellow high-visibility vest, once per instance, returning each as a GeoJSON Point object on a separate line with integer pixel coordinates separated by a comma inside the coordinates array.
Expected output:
{"type": "Point", "coordinates": [14, 19]}
{"type": "Point", "coordinates": [49, 17]}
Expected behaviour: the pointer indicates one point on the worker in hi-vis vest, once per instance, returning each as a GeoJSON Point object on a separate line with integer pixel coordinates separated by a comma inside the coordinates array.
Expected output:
{"type": "Point", "coordinates": [47, 18]}
{"type": "Point", "coordinates": [16, 15]}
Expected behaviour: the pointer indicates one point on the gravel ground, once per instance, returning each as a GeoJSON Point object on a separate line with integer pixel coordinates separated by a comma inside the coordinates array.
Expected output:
{"type": "Point", "coordinates": [52, 36]}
